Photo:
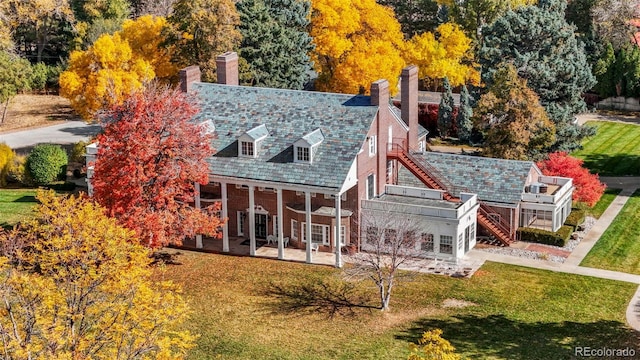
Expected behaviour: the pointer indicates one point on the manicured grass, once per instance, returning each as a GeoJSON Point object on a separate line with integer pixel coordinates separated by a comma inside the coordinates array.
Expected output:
{"type": "Point", "coordinates": [613, 151]}
{"type": "Point", "coordinates": [599, 208]}
{"type": "Point", "coordinates": [249, 308]}
{"type": "Point", "coordinates": [15, 205]}
{"type": "Point", "coordinates": [619, 247]}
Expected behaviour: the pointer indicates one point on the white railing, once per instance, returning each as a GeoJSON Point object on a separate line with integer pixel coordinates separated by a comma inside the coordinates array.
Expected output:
{"type": "Point", "coordinates": [414, 192]}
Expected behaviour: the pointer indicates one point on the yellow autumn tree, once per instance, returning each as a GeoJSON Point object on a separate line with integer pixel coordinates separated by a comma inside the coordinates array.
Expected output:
{"type": "Point", "coordinates": [356, 43]}
{"type": "Point", "coordinates": [146, 39]}
{"type": "Point", "coordinates": [115, 65]}
{"type": "Point", "coordinates": [74, 286]}
{"type": "Point", "coordinates": [445, 53]}
{"type": "Point", "coordinates": [432, 346]}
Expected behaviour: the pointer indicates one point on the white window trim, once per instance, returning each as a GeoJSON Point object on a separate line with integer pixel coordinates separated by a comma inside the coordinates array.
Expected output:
{"type": "Point", "coordinates": [294, 229]}
{"type": "Point", "coordinates": [371, 196]}
{"type": "Point", "coordinates": [240, 223]}
{"type": "Point", "coordinates": [297, 158]}
{"type": "Point", "coordinates": [255, 148]}
{"type": "Point", "coordinates": [343, 234]}
{"type": "Point", "coordinates": [325, 233]}
{"type": "Point", "coordinates": [373, 145]}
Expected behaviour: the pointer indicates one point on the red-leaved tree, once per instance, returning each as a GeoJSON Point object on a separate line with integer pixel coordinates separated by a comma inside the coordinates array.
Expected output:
{"type": "Point", "coordinates": [150, 155]}
{"type": "Point", "coordinates": [588, 188]}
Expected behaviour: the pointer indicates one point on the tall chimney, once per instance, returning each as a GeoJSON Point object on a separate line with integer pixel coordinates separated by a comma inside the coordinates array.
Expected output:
{"type": "Point", "coordinates": [188, 76]}
{"type": "Point", "coordinates": [409, 103]}
{"type": "Point", "coordinates": [380, 93]}
{"type": "Point", "coordinates": [227, 68]}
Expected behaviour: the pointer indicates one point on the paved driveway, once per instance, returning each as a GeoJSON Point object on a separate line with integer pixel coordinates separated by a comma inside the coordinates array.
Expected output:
{"type": "Point", "coordinates": [66, 133]}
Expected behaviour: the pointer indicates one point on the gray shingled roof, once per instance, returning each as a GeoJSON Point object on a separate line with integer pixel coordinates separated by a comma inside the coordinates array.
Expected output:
{"type": "Point", "coordinates": [495, 180]}
{"type": "Point", "coordinates": [288, 115]}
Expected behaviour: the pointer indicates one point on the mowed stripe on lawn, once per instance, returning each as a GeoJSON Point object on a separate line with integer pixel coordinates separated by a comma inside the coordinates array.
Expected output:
{"type": "Point", "coordinates": [613, 151]}
{"type": "Point", "coordinates": [618, 248]}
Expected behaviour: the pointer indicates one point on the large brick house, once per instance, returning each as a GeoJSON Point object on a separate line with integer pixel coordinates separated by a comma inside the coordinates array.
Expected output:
{"type": "Point", "coordinates": [285, 159]}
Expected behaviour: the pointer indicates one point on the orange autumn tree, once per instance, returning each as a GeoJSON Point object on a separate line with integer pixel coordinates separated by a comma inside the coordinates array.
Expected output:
{"type": "Point", "coordinates": [149, 158]}
{"type": "Point", "coordinates": [356, 43]}
{"type": "Point", "coordinates": [588, 188]}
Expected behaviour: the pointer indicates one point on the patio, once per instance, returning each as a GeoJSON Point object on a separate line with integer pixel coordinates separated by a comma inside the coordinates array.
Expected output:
{"type": "Point", "coordinates": [263, 250]}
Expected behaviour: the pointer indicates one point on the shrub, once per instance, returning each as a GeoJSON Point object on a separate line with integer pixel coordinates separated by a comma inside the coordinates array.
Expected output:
{"type": "Point", "coordinates": [6, 158]}
{"type": "Point", "coordinates": [576, 218]}
{"type": "Point", "coordinates": [39, 76]}
{"type": "Point", "coordinates": [540, 236]}
{"type": "Point", "coordinates": [47, 163]}
{"type": "Point", "coordinates": [78, 152]}
{"type": "Point", "coordinates": [17, 171]}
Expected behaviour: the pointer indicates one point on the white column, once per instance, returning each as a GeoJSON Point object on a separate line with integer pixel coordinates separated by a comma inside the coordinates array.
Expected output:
{"type": "Point", "coordinates": [279, 225]}
{"type": "Point", "coordinates": [338, 239]}
{"type": "Point", "coordinates": [307, 200]}
{"type": "Point", "coordinates": [252, 222]}
{"type": "Point", "coordinates": [198, 206]}
{"type": "Point", "coordinates": [225, 215]}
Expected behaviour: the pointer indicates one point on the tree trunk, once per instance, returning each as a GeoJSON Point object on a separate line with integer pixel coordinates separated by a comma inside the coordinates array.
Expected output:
{"type": "Point", "coordinates": [4, 111]}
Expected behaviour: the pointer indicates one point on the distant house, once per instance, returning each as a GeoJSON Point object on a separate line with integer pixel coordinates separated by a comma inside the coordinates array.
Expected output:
{"type": "Point", "coordinates": [300, 169]}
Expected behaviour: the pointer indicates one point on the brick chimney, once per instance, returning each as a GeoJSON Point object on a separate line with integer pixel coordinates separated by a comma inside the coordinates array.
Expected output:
{"type": "Point", "coordinates": [380, 93]}
{"type": "Point", "coordinates": [409, 103]}
{"type": "Point", "coordinates": [227, 68]}
{"type": "Point", "coordinates": [188, 76]}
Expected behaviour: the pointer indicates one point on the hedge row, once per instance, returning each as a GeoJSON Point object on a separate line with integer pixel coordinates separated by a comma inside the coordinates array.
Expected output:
{"type": "Point", "coordinates": [558, 238]}
{"type": "Point", "coordinates": [576, 218]}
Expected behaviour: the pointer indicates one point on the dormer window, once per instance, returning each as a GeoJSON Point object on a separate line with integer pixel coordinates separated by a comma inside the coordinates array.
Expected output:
{"type": "Point", "coordinates": [307, 146]}
{"type": "Point", "coordinates": [247, 148]}
{"type": "Point", "coordinates": [249, 141]}
{"type": "Point", "coordinates": [303, 154]}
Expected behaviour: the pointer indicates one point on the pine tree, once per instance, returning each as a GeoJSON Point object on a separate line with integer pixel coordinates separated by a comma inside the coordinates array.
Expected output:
{"type": "Point", "coordinates": [539, 42]}
{"type": "Point", "coordinates": [465, 112]}
{"type": "Point", "coordinates": [415, 16]}
{"type": "Point", "coordinates": [275, 41]}
{"type": "Point", "coordinates": [445, 110]}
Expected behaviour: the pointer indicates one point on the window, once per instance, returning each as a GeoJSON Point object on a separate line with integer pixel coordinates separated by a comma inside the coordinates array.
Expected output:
{"type": "Point", "coordinates": [319, 233]}
{"type": "Point", "coordinates": [372, 235]}
{"type": "Point", "coordinates": [294, 229]}
{"type": "Point", "coordinates": [373, 145]}
{"type": "Point", "coordinates": [342, 232]}
{"type": "Point", "coordinates": [426, 242]}
{"type": "Point", "coordinates": [371, 186]}
{"type": "Point", "coordinates": [390, 236]}
{"type": "Point", "coordinates": [302, 154]}
{"type": "Point", "coordinates": [247, 148]}
{"type": "Point", "coordinates": [446, 244]}
{"type": "Point", "coordinates": [240, 223]}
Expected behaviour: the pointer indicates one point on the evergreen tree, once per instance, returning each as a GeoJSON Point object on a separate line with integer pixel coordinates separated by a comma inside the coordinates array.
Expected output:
{"type": "Point", "coordinates": [275, 41]}
{"type": "Point", "coordinates": [415, 16]}
{"type": "Point", "coordinates": [543, 47]}
{"type": "Point", "coordinates": [445, 110]}
{"type": "Point", "coordinates": [465, 112]}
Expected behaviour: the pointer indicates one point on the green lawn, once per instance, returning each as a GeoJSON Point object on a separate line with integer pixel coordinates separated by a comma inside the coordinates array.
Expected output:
{"type": "Point", "coordinates": [619, 247]}
{"type": "Point", "coordinates": [607, 198]}
{"type": "Point", "coordinates": [15, 205]}
{"type": "Point", "coordinates": [249, 308]}
{"type": "Point", "coordinates": [614, 151]}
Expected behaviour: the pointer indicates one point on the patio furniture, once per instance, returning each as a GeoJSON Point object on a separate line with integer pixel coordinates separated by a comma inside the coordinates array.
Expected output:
{"type": "Point", "coordinates": [314, 247]}
{"type": "Point", "coordinates": [272, 239]}
{"type": "Point", "coordinates": [285, 241]}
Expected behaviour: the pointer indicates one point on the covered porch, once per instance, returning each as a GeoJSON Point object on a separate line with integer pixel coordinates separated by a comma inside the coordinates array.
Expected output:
{"type": "Point", "coordinates": [240, 246]}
